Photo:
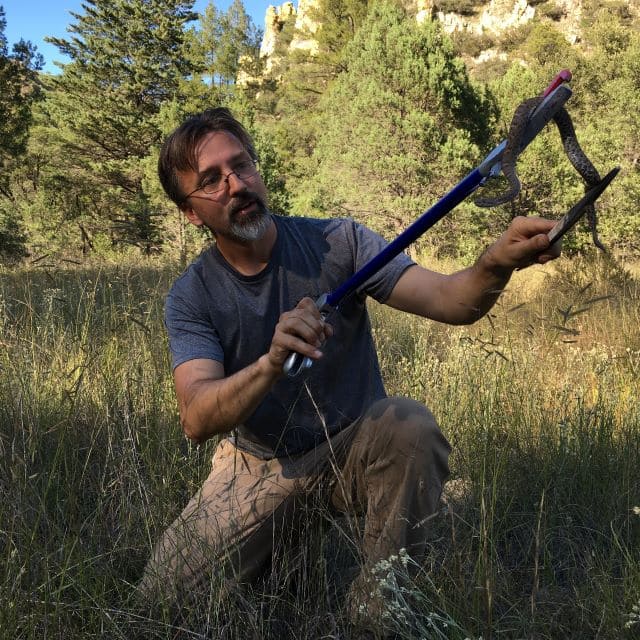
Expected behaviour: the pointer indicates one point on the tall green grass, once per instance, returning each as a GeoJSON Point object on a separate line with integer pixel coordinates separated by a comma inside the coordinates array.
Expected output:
{"type": "Point", "coordinates": [540, 400]}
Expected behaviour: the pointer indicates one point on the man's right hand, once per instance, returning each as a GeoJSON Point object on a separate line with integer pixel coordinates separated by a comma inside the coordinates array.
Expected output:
{"type": "Point", "coordinates": [302, 330]}
{"type": "Point", "coordinates": [213, 403]}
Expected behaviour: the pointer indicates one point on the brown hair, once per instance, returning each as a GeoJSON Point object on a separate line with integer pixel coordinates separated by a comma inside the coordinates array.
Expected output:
{"type": "Point", "coordinates": [178, 152]}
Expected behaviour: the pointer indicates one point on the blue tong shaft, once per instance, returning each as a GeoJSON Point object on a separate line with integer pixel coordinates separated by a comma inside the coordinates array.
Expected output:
{"type": "Point", "coordinates": [554, 101]}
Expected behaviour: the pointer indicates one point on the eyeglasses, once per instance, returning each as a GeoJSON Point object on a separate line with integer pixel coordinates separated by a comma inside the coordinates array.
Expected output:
{"type": "Point", "coordinates": [215, 183]}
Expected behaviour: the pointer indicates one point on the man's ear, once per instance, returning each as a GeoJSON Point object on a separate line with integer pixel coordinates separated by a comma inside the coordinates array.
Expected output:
{"type": "Point", "coordinates": [192, 216]}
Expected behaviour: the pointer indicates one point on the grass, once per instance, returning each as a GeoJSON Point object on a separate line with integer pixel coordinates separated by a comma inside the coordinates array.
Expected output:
{"type": "Point", "coordinates": [540, 401]}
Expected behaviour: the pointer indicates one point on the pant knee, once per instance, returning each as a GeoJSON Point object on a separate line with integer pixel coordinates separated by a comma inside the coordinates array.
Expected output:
{"type": "Point", "coordinates": [407, 429]}
{"type": "Point", "coordinates": [404, 420]}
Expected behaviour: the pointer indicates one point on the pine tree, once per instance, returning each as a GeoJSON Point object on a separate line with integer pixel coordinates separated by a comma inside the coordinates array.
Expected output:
{"type": "Point", "coordinates": [339, 21]}
{"type": "Point", "coordinates": [401, 124]}
{"type": "Point", "coordinates": [19, 90]}
{"type": "Point", "coordinates": [239, 40]}
{"type": "Point", "coordinates": [126, 61]}
{"type": "Point", "coordinates": [288, 99]}
{"type": "Point", "coordinates": [224, 44]}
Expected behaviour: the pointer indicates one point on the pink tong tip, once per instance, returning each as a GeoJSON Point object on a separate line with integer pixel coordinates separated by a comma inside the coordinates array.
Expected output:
{"type": "Point", "coordinates": [562, 76]}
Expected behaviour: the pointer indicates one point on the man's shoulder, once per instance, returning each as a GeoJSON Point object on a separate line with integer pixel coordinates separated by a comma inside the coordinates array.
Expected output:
{"type": "Point", "coordinates": [191, 278]}
{"type": "Point", "coordinates": [326, 227]}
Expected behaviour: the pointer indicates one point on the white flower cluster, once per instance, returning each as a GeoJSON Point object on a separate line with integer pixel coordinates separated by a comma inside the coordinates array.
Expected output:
{"type": "Point", "coordinates": [404, 606]}
{"type": "Point", "coordinates": [385, 588]}
{"type": "Point", "coordinates": [634, 616]}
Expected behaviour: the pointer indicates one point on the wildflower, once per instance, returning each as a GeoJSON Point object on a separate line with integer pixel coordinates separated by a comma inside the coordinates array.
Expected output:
{"type": "Point", "coordinates": [634, 616]}
{"type": "Point", "coordinates": [636, 510]}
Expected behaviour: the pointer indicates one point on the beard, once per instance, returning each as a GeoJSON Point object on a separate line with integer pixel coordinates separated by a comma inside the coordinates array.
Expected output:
{"type": "Point", "coordinates": [250, 226]}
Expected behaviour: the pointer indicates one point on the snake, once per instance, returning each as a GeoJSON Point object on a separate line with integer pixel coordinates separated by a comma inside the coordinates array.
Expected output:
{"type": "Point", "coordinates": [572, 148]}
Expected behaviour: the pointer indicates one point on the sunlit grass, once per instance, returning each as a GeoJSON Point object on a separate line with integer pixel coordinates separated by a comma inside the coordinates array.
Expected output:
{"type": "Point", "coordinates": [541, 405]}
{"type": "Point", "coordinates": [540, 401]}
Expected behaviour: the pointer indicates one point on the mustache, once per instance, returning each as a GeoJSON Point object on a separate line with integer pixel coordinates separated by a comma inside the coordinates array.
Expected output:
{"type": "Point", "coordinates": [245, 199]}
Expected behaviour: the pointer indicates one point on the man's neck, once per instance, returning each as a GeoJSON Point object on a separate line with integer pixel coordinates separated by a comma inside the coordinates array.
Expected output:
{"type": "Point", "coordinates": [249, 258]}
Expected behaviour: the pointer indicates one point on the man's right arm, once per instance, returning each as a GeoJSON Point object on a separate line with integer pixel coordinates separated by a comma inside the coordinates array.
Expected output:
{"type": "Point", "coordinates": [212, 403]}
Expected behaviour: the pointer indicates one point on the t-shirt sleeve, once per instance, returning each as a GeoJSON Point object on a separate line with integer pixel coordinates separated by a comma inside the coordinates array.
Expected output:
{"type": "Point", "coordinates": [189, 327]}
{"type": "Point", "coordinates": [367, 245]}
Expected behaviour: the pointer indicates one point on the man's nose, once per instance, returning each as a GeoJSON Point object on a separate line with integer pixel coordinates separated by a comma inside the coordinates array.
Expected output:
{"type": "Point", "coordinates": [235, 184]}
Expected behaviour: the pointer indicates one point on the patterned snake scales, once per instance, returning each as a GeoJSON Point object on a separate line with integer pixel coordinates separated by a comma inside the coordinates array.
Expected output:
{"type": "Point", "coordinates": [576, 156]}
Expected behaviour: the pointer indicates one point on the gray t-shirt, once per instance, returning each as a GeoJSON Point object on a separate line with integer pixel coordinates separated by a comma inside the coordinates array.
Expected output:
{"type": "Point", "coordinates": [214, 312]}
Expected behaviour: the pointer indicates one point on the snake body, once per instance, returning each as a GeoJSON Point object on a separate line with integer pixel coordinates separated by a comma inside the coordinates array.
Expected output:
{"type": "Point", "coordinates": [572, 148]}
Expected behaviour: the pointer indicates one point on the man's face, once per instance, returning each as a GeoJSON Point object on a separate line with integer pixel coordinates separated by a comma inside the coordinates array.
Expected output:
{"type": "Point", "coordinates": [239, 210]}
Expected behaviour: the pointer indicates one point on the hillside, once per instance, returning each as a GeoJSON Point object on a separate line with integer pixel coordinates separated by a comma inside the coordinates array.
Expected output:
{"type": "Point", "coordinates": [483, 31]}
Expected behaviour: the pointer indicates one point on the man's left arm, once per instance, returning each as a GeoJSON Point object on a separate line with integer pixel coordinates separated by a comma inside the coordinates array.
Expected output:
{"type": "Point", "coordinates": [465, 296]}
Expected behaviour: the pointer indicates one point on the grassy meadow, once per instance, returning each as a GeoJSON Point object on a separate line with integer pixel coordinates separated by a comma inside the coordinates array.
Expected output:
{"type": "Point", "coordinates": [540, 535]}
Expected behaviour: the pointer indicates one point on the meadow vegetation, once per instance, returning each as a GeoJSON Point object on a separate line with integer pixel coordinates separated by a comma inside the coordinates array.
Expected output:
{"type": "Point", "coordinates": [540, 533]}
{"type": "Point", "coordinates": [386, 116]}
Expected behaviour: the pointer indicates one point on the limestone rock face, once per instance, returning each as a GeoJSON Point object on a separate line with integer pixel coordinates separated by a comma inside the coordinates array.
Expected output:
{"type": "Point", "coordinates": [271, 28]}
{"type": "Point", "coordinates": [494, 17]}
{"type": "Point", "coordinates": [572, 16]}
{"type": "Point", "coordinates": [305, 27]}
{"type": "Point", "coordinates": [505, 14]}
{"type": "Point", "coordinates": [490, 18]}
{"type": "Point", "coordinates": [274, 21]}
{"type": "Point", "coordinates": [277, 17]}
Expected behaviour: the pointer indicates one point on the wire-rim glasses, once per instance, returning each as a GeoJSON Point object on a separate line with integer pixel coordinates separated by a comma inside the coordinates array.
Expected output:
{"type": "Point", "coordinates": [215, 183]}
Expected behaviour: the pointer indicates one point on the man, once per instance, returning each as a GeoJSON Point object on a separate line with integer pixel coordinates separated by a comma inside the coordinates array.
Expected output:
{"type": "Point", "coordinates": [233, 318]}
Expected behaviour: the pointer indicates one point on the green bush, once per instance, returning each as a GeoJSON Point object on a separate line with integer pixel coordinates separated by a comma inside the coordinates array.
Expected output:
{"type": "Point", "coordinates": [13, 237]}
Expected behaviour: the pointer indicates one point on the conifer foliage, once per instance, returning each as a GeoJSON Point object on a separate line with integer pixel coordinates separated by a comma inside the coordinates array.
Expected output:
{"type": "Point", "coordinates": [361, 111]}
{"type": "Point", "coordinates": [19, 89]}
{"type": "Point", "coordinates": [401, 122]}
{"type": "Point", "coordinates": [126, 60]}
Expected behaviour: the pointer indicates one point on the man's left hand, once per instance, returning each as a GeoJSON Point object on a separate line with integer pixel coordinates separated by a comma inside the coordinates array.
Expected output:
{"type": "Point", "coordinates": [524, 243]}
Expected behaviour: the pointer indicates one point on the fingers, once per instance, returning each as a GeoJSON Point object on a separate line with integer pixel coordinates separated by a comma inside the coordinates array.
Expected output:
{"type": "Point", "coordinates": [551, 253]}
{"type": "Point", "coordinates": [530, 225]}
{"type": "Point", "coordinates": [307, 323]}
{"type": "Point", "coordinates": [526, 242]}
{"type": "Point", "coordinates": [302, 330]}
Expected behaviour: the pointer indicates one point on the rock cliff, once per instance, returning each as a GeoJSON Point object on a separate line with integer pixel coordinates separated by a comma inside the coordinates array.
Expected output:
{"type": "Point", "coordinates": [484, 18]}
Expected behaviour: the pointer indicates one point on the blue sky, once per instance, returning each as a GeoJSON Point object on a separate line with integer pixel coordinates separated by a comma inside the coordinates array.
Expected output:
{"type": "Point", "coordinates": [35, 19]}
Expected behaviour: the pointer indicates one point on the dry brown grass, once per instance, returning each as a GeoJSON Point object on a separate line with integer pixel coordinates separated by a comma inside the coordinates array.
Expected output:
{"type": "Point", "coordinates": [540, 401]}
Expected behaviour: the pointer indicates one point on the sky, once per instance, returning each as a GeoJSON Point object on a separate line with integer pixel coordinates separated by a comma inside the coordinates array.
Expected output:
{"type": "Point", "coordinates": [35, 19]}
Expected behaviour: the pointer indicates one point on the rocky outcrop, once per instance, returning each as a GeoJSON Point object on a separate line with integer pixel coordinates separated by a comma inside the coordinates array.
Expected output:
{"type": "Point", "coordinates": [490, 18]}
{"type": "Point", "coordinates": [494, 17]}
{"type": "Point", "coordinates": [275, 20]}
{"type": "Point", "coordinates": [501, 15]}
{"type": "Point", "coordinates": [305, 27]}
{"type": "Point", "coordinates": [571, 11]}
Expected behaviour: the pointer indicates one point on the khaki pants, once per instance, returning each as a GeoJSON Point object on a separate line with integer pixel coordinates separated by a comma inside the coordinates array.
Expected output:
{"type": "Point", "coordinates": [388, 466]}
